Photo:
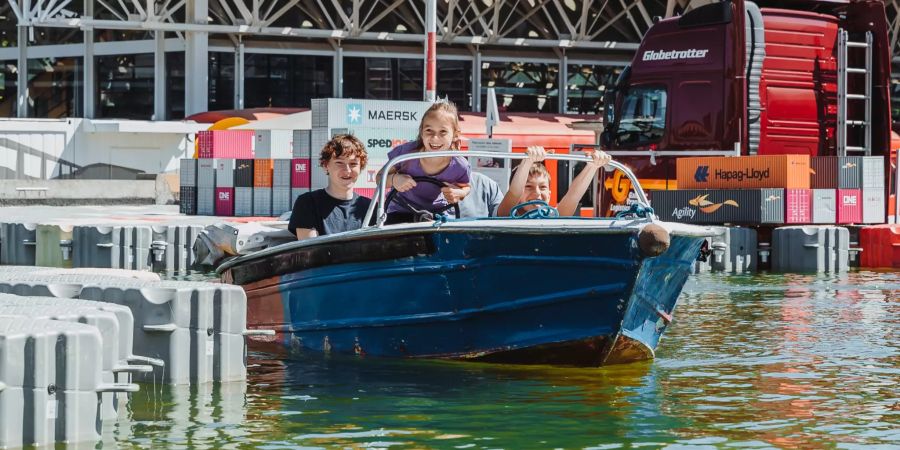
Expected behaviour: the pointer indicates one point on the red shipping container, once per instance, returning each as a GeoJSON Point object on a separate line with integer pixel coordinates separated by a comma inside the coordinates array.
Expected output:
{"type": "Point", "coordinates": [849, 206]}
{"type": "Point", "coordinates": [300, 173]}
{"type": "Point", "coordinates": [237, 144]}
{"type": "Point", "coordinates": [224, 201]}
{"type": "Point", "coordinates": [797, 207]}
{"type": "Point", "coordinates": [880, 246]}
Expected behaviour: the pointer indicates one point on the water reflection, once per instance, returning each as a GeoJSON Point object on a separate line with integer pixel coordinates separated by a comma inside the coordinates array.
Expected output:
{"type": "Point", "coordinates": [768, 361]}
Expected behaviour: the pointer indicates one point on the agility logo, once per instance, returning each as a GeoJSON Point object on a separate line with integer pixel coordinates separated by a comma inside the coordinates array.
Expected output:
{"type": "Point", "coordinates": [709, 207]}
{"type": "Point", "coordinates": [354, 114]}
{"type": "Point", "coordinates": [702, 174]}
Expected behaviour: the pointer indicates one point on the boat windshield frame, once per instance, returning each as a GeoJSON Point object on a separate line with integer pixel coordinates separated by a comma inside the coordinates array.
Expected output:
{"type": "Point", "coordinates": [377, 206]}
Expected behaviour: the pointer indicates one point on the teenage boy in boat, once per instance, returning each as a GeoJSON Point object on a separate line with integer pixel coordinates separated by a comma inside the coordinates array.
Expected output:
{"type": "Point", "coordinates": [336, 208]}
{"type": "Point", "coordinates": [531, 181]}
{"type": "Point", "coordinates": [438, 131]}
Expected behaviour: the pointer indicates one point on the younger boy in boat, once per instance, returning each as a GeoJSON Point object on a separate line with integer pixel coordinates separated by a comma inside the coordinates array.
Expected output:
{"type": "Point", "coordinates": [336, 208]}
{"type": "Point", "coordinates": [438, 131]}
{"type": "Point", "coordinates": [531, 181]}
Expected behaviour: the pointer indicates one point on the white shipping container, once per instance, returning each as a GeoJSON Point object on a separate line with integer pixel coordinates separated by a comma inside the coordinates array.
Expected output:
{"type": "Point", "coordinates": [274, 144]}
{"type": "Point", "coordinates": [873, 208]}
{"type": "Point", "coordinates": [824, 204]}
{"type": "Point", "coordinates": [206, 173]}
{"type": "Point", "coordinates": [225, 172]}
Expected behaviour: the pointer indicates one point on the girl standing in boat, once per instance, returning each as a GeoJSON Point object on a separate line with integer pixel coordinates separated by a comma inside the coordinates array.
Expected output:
{"type": "Point", "coordinates": [438, 131]}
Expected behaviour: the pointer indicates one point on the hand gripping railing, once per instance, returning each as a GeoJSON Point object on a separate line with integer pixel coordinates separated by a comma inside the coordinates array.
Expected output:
{"type": "Point", "coordinates": [378, 203]}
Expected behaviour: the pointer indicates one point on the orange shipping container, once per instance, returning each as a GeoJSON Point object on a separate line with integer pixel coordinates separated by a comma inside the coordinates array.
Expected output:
{"type": "Point", "coordinates": [262, 172]}
{"type": "Point", "coordinates": [744, 172]}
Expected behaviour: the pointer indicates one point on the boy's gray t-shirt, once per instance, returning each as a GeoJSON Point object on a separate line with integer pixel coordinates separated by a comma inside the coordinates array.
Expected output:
{"type": "Point", "coordinates": [483, 199]}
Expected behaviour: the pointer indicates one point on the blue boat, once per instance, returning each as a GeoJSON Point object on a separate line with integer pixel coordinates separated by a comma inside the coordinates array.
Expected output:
{"type": "Point", "coordinates": [549, 290]}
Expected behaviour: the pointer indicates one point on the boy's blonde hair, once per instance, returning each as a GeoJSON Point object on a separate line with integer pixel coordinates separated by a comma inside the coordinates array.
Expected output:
{"type": "Point", "coordinates": [441, 107]}
{"type": "Point", "coordinates": [344, 145]}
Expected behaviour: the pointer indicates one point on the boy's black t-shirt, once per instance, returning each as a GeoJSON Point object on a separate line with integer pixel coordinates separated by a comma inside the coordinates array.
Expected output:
{"type": "Point", "coordinates": [326, 214]}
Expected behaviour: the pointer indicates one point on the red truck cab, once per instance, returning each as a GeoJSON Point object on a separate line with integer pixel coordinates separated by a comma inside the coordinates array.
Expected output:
{"type": "Point", "coordinates": [741, 78]}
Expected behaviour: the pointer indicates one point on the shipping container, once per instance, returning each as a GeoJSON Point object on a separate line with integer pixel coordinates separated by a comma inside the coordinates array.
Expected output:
{"type": "Point", "coordinates": [281, 173]}
{"type": "Point", "coordinates": [744, 172]}
{"type": "Point", "coordinates": [273, 144]}
{"type": "Point", "coordinates": [187, 174]}
{"type": "Point", "coordinates": [849, 206]}
{"type": "Point", "coordinates": [187, 200]}
{"type": "Point", "coordinates": [206, 173]}
{"type": "Point", "coordinates": [243, 173]}
{"type": "Point", "coordinates": [823, 172]}
{"type": "Point", "coordinates": [262, 173]}
{"type": "Point", "coordinates": [702, 206]}
{"type": "Point", "coordinates": [873, 172]}
{"type": "Point", "coordinates": [873, 211]}
{"type": "Point", "coordinates": [824, 204]}
{"type": "Point", "coordinates": [300, 173]}
{"type": "Point", "coordinates": [224, 201]}
{"type": "Point", "coordinates": [302, 143]}
{"type": "Point", "coordinates": [243, 201]}
{"type": "Point", "coordinates": [262, 201]}
{"type": "Point", "coordinates": [849, 172]}
{"type": "Point", "coordinates": [281, 200]}
{"type": "Point", "coordinates": [206, 201]}
{"type": "Point", "coordinates": [225, 143]}
{"type": "Point", "coordinates": [225, 172]}
{"type": "Point", "coordinates": [797, 206]}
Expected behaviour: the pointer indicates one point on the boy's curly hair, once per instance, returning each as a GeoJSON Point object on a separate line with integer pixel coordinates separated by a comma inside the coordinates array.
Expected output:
{"type": "Point", "coordinates": [344, 145]}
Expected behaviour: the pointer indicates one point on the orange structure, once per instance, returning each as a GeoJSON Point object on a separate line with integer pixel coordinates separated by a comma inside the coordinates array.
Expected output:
{"type": "Point", "coordinates": [746, 172]}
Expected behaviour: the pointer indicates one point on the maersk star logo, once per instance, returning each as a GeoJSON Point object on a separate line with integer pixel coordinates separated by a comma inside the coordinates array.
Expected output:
{"type": "Point", "coordinates": [354, 114]}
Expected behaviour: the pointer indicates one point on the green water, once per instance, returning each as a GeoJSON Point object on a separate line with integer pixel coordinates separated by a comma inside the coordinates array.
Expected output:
{"type": "Point", "coordinates": [760, 361]}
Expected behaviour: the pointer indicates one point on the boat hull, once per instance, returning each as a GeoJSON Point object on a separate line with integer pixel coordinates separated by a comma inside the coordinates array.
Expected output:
{"type": "Point", "coordinates": [581, 298]}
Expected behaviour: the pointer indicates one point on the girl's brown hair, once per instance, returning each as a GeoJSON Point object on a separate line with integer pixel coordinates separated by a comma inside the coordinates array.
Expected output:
{"type": "Point", "coordinates": [441, 107]}
{"type": "Point", "coordinates": [344, 145]}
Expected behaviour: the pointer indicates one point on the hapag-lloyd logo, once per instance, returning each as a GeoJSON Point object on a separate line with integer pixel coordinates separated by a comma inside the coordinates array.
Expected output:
{"type": "Point", "coordinates": [669, 55]}
{"type": "Point", "coordinates": [742, 175]}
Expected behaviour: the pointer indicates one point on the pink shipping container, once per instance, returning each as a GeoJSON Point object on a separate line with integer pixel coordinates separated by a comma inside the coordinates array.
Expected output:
{"type": "Point", "coordinates": [797, 208]}
{"type": "Point", "coordinates": [224, 201]}
{"type": "Point", "coordinates": [849, 206]}
{"type": "Point", "coordinates": [236, 144]}
{"type": "Point", "coordinates": [300, 172]}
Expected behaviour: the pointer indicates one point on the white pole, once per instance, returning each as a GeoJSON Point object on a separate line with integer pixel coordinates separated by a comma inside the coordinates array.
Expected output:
{"type": "Point", "coordinates": [430, 50]}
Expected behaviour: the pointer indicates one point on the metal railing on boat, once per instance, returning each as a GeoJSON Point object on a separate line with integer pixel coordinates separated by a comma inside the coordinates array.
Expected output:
{"type": "Point", "coordinates": [382, 182]}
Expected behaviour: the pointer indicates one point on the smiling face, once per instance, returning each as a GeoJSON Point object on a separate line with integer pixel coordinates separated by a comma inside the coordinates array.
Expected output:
{"type": "Point", "coordinates": [438, 131]}
{"type": "Point", "coordinates": [343, 171]}
{"type": "Point", "coordinates": [536, 188]}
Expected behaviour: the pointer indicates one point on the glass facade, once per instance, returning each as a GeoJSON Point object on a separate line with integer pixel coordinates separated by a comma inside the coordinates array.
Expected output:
{"type": "Point", "coordinates": [125, 86]}
{"type": "Point", "coordinates": [174, 85]}
{"type": "Point", "coordinates": [521, 87]}
{"type": "Point", "coordinates": [8, 91]}
{"type": "Point", "coordinates": [286, 80]}
{"type": "Point", "coordinates": [221, 81]}
{"type": "Point", "coordinates": [454, 81]}
{"type": "Point", "coordinates": [384, 78]}
{"type": "Point", "coordinates": [586, 85]}
{"type": "Point", "coordinates": [55, 87]}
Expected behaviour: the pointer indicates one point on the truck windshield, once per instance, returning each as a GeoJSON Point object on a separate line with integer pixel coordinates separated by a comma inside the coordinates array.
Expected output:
{"type": "Point", "coordinates": [643, 116]}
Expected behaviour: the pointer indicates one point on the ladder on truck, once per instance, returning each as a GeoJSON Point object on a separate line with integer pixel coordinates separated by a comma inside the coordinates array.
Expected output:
{"type": "Point", "coordinates": [844, 97]}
